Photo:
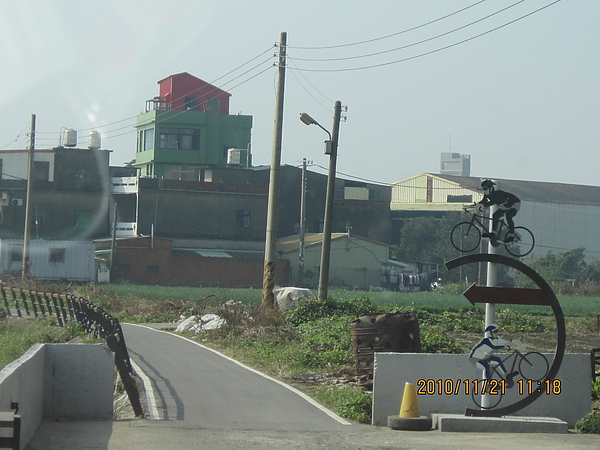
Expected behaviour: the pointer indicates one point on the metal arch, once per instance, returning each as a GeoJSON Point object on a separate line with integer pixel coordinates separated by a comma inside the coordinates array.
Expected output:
{"type": "Point", "coordinates": [558, 315]}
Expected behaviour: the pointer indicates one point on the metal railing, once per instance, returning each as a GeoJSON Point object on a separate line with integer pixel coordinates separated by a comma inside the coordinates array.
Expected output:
{"type": "Point", "coordinates": [94, 320]}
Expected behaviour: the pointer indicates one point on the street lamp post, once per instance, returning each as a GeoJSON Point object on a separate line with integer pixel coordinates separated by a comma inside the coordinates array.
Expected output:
{"type": "Point", "coordinates": [330, 149]}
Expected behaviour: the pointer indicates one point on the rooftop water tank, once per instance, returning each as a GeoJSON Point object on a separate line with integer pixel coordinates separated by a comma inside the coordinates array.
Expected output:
{"type": "Point", "coordinates": [94, 140]}
{"type": "Point", "coordinates": [70, 137]}
{"type": "Point", "coordinates": [233, 157]}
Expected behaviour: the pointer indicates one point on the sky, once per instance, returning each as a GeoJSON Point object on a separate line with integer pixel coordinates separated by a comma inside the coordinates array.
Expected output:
{"type": "Point", "coordinates": [516, 88]}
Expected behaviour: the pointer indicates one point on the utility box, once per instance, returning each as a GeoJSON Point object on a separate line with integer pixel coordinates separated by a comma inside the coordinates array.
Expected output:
{"type": "Point", "coordinates": [50, 260]}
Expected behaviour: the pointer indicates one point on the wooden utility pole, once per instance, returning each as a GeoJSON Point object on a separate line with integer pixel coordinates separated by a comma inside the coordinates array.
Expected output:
{"type": "Point", "coordinates": [328, 220]}
{"type": "Point", "coordinates": [268, 301]}
{"type": "Point", "coordinates": [30, 175]}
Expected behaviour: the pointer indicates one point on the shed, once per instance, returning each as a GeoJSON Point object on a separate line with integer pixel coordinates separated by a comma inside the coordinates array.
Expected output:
{"type": "Point", "coordinates": [355, 262]}
{"type": "Point", "coordinates": [50, 260]}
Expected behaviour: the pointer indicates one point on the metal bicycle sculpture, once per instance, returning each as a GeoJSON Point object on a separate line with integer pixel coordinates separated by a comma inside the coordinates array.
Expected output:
{"type": "Point", "coordinates": [466, 236]}
{"type": "Point", "coordinates": [542, 296]}
{"type": "Point", "coordinates": [532, 367]}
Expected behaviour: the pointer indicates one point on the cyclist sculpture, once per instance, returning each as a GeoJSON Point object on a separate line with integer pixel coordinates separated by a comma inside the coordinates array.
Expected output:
{"type": "Point", "coordinates": [508, 206]}
{"type": "Point", "coordinates": [483, 353]}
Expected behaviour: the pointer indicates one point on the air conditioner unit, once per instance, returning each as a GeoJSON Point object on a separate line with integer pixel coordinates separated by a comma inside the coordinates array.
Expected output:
{"type": "Point", "coordinates": [16, 202]}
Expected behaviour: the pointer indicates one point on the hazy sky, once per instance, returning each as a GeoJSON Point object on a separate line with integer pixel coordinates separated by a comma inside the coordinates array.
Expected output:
{"type": "Point", "coordinates": [523, 100]}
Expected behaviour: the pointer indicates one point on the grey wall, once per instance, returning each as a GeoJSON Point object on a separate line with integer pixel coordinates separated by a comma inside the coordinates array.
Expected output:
{"type": "Point", "coordinates": [59, 381]}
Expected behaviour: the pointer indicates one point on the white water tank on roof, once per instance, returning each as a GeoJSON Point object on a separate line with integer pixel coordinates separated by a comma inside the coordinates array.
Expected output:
{"type": "Point", "coordinates": [70, 137]}
{"type": "Point", "coordinates": [233, 157]}
{"type": "Point", "coordinates": [94, 140]}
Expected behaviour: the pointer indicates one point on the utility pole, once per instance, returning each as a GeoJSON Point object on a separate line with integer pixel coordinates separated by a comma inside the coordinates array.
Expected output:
{"type": "Point", "coordinates": [268, 301]}
{"type": "Point", "coordinates": [302, 224]}
{"type": "Point", "coordinates": [327, 224]}
{"type": "Point", "coordinates": [30, 172]}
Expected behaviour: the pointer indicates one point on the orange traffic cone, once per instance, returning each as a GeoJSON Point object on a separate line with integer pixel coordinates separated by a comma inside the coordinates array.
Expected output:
{"type": "Point", "coordinates": [409, 406]}
{"type": "Point", "coordinates": [409, 418]}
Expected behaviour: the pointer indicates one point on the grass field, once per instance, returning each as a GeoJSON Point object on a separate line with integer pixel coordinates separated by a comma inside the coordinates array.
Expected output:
{"type": "Point", "coordinates": [389, 301]}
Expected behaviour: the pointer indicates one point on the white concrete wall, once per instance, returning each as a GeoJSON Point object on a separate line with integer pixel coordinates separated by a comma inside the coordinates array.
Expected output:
{"type": "Point", "coordinates": [22, 381]}
{"type": "Point", "coordinates": [394, 370]}
{"type": "Point", "coordinates": [59, 381]}
{"type": "Point", "coordinates": [82, 377]}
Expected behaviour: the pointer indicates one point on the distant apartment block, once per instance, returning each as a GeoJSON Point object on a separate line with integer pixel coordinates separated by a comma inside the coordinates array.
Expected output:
{"type": "Point", "coordinates": [455, 164]}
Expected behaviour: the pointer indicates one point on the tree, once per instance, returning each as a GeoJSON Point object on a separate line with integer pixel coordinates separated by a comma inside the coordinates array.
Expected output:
{"type": "Point", "coordinates": [561, 268]}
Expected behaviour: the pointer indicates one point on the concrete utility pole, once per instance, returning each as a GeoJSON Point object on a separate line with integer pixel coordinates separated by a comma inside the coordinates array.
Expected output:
{"type": "Point", "coordinates": [268, 301]}
{"type": "Point", "coordinates": [327, 224]}
{"type": "Point", "coordinates": [30, 175]}
{"type": "Point", "coordinates": [302, 224]}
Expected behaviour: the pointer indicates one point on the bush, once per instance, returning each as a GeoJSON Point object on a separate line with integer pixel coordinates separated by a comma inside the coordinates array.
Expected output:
{"type": "Point", "coordinates": [326, 342]}
{"type": "Point", "coordinates": [311, 309]}
{"type": "Point", "coordinates": [590, 423]}
{"type": "Point", "coordinates": [435, 340]}
{"type": "Point", "coordinates": [351, 403]}
{"type": "Point", "coordinates": [511, 321]}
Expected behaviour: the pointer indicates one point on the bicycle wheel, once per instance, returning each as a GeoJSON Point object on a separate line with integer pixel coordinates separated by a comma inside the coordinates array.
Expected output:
{"type": "Point", "coordinates": [533, 366]}
{"type": "Point", "coordinates": [523, 243]}
{"type": "Point", "coordinates": [491, 400]}
{"type": "Point", "coordinates": [465, 237]}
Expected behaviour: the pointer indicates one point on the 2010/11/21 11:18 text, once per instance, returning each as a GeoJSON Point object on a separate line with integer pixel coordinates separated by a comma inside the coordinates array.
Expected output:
{"type": "Point", "coordinates": [492, 387]}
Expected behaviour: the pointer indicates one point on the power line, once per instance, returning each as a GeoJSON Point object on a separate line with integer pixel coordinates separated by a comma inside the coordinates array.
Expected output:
{"type": "Point", "coordinates": [389, 35]}
{"type": "Point", "coordinates": [349, 69]}
{"type": "Point", "coordinates": [107, 133]}
{"type": "Point", "coordinates": [414, 43]}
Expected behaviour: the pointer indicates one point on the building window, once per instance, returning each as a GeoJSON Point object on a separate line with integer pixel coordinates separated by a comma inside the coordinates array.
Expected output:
{"type": "Point", "coordinates": [57, 255]}
{"type": "Point", "coordinates": [459, 198]}
{"type": "Point", "coordinates": [243, 218]}
{"type": "Point", "coordinates": [180, 138]}
{"type": "Point", "coordinates": [213, 105]}
{"type": "Point", "coordinates": [191, 103]}
{"type": "Point", "coordinates": [149, 139]}
{"type": "Point", "coordinates": [16, 254]}
{"type": "Point", "coordinates": [82, 220]}
{"type": "Point", "coordinates": [41, 171]}
{"type": "Point", "coordinates": [181, 173]}
{"type": "Point", "coordinates": [153, 269]}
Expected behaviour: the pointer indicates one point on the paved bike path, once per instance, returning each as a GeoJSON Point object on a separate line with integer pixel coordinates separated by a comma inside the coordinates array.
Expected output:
{"type": "Point", "coordinates": [192, 386]}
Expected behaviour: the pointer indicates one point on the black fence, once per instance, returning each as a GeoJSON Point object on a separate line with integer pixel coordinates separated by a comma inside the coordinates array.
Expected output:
{"type": "Point", "coordinates": [94, 320]}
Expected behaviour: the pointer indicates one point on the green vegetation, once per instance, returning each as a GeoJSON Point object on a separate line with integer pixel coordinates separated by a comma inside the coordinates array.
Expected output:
{"type": "Point", "coordinates": [18, 335]}
{"type": "Point", "coordinates": [312, 340]}
{"type": "Point", "coordinates": [590, 423]}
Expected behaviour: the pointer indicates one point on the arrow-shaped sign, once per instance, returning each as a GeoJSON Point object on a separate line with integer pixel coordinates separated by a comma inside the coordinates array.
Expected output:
{"type": "Point", "coordinates": [513, 296]}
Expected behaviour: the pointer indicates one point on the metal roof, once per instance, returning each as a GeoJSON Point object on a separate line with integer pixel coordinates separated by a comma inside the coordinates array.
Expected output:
{"type": "Point", "coordinates": [534, 191]}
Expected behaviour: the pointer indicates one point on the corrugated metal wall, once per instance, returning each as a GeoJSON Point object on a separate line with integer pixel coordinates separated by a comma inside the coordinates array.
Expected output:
{"type": "Point", "coordinates": [425, 189]}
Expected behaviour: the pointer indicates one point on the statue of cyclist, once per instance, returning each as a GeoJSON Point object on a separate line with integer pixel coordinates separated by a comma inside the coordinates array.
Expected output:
{"type": "Point", "coordinates": [508, 206]}
{"type": "Point", "coordinates": [483, 352]}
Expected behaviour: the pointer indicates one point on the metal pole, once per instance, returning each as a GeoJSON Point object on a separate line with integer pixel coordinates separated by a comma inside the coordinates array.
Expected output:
{"type": "Point", "coordinates": [302, 225]}
{"type": "Point", "coordinates": [30, 175]}
{"type": "Point", "coordinates": [268, 302]}
{"type": "Point", "coordinates": [490, 308]}
{"type": "Point", "coordinates": [327, 224]}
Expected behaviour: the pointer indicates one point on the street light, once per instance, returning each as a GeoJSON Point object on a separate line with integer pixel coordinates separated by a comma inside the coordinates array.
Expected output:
{"type": "Point", "coordinates": [331, 150]}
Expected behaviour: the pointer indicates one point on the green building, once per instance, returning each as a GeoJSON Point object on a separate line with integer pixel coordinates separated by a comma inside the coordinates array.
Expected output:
{"type": "Point", "coordinates": [187, 130]}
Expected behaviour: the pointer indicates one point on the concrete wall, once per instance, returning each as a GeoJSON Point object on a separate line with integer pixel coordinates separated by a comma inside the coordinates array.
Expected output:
{"type": "Point", "coordinates": [393, 370]}
{"type": "Point", "coordinates": [22, 381]}
{"type": "Point", "coordinates": [82, 380]}
{"type": "Point", "coordinates": [59, 381]}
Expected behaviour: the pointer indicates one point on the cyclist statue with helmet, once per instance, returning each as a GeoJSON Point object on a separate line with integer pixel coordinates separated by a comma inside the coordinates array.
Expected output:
{"type": "Point", "coordinates": [483, 352]}
{"type": "Point", "coordinates": [508, 206]}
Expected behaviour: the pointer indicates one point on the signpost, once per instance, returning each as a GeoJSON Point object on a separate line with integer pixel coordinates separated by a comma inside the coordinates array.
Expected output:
{"type": "Point", "coordinates": [491, 295]}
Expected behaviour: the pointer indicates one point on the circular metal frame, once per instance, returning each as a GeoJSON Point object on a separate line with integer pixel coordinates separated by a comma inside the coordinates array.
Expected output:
{"type": "Point", "coordinates": [558, 315]}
